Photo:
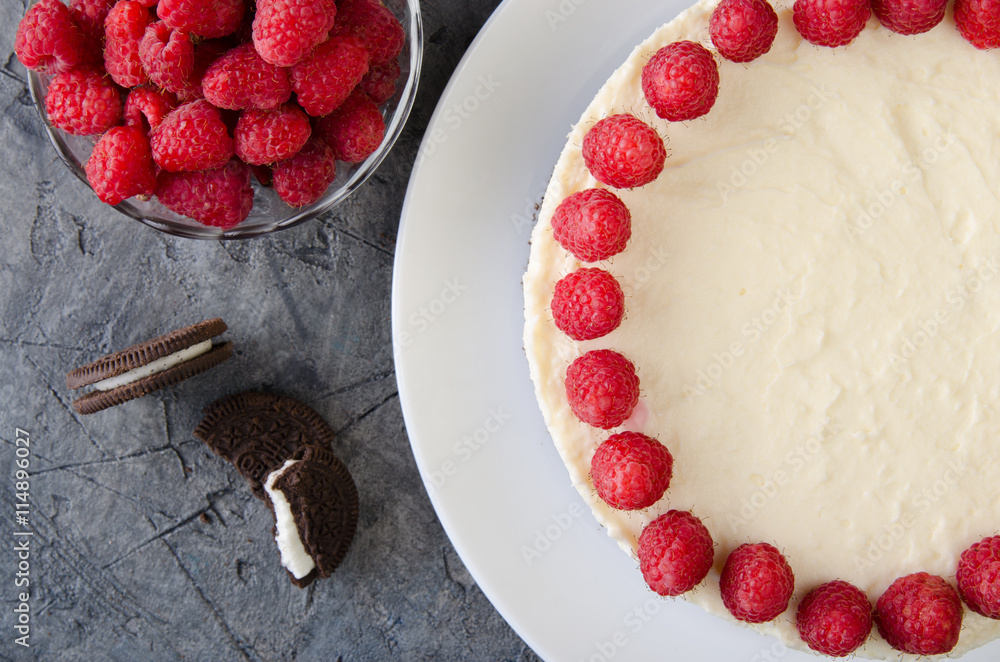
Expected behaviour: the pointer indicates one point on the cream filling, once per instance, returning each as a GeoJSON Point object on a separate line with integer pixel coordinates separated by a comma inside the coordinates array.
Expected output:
{"type": "Point", "coordinates": [813, 307]}
{"type": "Point", "coordinates": [294, 556]}
{"type": "Point", "coordinates": [154, 367]}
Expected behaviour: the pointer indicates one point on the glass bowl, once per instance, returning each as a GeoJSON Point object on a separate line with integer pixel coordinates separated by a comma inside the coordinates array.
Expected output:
{"type": "Point", "coordinates": [269, 212]}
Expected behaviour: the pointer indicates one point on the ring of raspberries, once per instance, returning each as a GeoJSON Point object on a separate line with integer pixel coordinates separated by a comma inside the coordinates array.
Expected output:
{"type": "Point", "coordinates": [918, 613]}
{"type": "Point", "coordinates": [215, 93]}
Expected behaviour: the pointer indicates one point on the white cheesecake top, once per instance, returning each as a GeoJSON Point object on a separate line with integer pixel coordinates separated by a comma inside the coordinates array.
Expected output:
{"type": "Point", "coordinates": [813, 306]}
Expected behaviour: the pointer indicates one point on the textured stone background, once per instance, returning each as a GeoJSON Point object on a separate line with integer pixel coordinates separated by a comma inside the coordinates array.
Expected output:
{"type": "Point", "coordinates": [148, 547]}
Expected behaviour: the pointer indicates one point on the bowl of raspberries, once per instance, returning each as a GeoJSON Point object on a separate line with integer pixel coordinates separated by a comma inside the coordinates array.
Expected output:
{"type": "Point", "coordinates": [222, 118]}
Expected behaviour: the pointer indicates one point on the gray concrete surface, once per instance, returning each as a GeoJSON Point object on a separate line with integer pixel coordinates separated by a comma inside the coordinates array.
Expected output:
{"type": "Point", "coordinates": [145, 545]}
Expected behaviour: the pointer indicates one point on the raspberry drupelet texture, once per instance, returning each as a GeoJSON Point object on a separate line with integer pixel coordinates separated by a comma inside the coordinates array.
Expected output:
{"type": "Point", "coordinates": [978, 577]}
{"type": "Point", "coordinates": [743, 30]}
{"type": "Point", "coordinates": [267, 136]}
{"type": "Point", "coordinates": [121, 165]}
{"type": "Point", "coordinates": [909, 16]}
{"type": "Point", "coordinates": [355, 129]}
{"type": "Point", "coordinates": [681, 81]}
{"type": "Point", "coordinates": [623, 151]}
{"type": "Point", "coordinates": [979, 22]}
{"type": "Point", "coordinates": [380, 81]}
{"type": "Point", "coordinates": [207, 19]}
{"type": "Point", "coordinates": [83, 102]}
{"type": "Point", "coordinates": [675, 553]}
{"type": "Point", "coordinates": [124, 29]}
{"type": "Point", "coordinates": [830, 22]}
{"type": "Point", "coordinates": [303, 179]}
{"type": "Point", "coordinates": [220, 197]}
{"type": "Point", "coordinates": [329, 74]}
{"type": "Point", "coordinates": [756, 583]}
{"type": "Point", "coordinates": [145, 107]}
{"type": "Point", "coordinates": [240, 79]}
{"type": "Point", "coordinates": [192, 137]}
{"type": "Point", "coordinates": [920, 614]}
{"type": "Point", "coordinates": [286, 31]}
{"type": "Point", "coordinates": [834, 619]}
{"type": "Point", "coordinates": [631, 471]}
{"type": "Point", "coordinates": [167, 55]}
{"type": "Point", "coordinates": [587, 304]}
{"type": "Point", "coordinates": [47, 38]}
{"type": "Point", "coordinates": [374, 25]}
{"type": "Point", "coordinates": [89, 16]}
{"type": "Point", "coordinates": [593, 224]}
{"type": "Point", "coordinates": [602, 388]}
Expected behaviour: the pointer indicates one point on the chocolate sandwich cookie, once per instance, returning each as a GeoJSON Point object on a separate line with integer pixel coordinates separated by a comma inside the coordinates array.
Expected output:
{"type": "Point", "coordinates": [258, 432]}
{"type": "Point", "coordinates": [149, 366]}
{"type": "Point", "coordinates": [315, 506]}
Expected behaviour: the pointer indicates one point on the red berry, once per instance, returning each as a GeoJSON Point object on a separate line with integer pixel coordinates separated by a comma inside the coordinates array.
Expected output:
{"type": "Point", "coordinates": [920, 614]}
{"type": "Point", "coordinates": [205, 54]}
{"type": "Point", "coordinates": [217, 18]}
{"type": "Point", "coordinates": [978, 577]}
{"type": "Point", "coordinates": [743, 30]}
{"type": "Point", "coordinates": [593, 224]}
{"type": "Point", "coordinates": [124, 29]}
{"type": "Point", "coordinates": [380, 81]}
{"type": "Point", "coordinates": [221, 197]}
{"type": "Point", "coordinates": [47, 39]}
{"type": "Point", "coordinates": [121, 165]}
{"type": "Point", "coordinates": [83, 102]}
{"type": "Point", "coordinates": [192, 137]}
{"type": "Point", "coordinates": [681, 81]}
{"type": "Point", "coordinates": [304, 178]}
{"type": "Point", "coordinates": [587, 304]}
{"type": "Point", "coordinates": [675, 553]}
{"type": "Point", "coordinates": [285, 31]}
{"type": "Point", "coordinates": [167, 55]}
{"type": "Point", "coordinates": [909, 16]}
{"type": "Point", "coordinates": [623, 151]}
{"type": "Point", "coordinates": [834, 619]}
{"type": "Point", "coordinates": [979, 22]}
{"type": "Point", "coordinates": [374, 25]}
{"type": "Point", "coordinates": [146, 107]}
{"type": "Point", "coordinates": [631, 471]}
{"type": "Point", "coordinates": [756, 583]}
{"type": "Point", "coordinates": [602, 388]}
{"type": "Point", "coordinates": [267, 136]}
{"type": "Point", "coordinates": [830, 22]}
{"type": "Point", "coordinates": [89, 16]}
{"type": "Point", "coordinates": [355, 129]}
{"type": "Point", "coordinates": [240, 78]}
{"type": "Point", "coordinates": [327, 76]}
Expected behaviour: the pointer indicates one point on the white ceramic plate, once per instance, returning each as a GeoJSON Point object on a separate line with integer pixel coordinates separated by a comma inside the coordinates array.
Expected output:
{"type": "Point", "coordinates": [496, 482]}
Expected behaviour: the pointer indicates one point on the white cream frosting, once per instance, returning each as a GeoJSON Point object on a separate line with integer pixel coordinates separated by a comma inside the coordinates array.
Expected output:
{"type": "Point", "coordinates": [813, 306]}
{"type": "Point", "coordinates": [154, 367]}
{"type": "Point", "coordinates": [294, 556]}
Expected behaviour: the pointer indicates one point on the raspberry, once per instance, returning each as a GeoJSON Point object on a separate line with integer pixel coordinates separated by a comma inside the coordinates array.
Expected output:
{"type": "Point", "coordinates": [167, 55]}
{"type": "Point", "coordinates": [909, 16]}
{"type": "Point", "coordinates": [83, 102]}
{"type": "Point", "coordinates": [593, 224]}
{"type": "Point", "coordinates": [221, 197]}
{"type": "Point", "coordinates": [756, 583]}
{"type": "Point", "coordinates": [240, 78]}
{"type": "Point", "coordinates": [146, 107]}
{"type": "Point", "coordinates": [830, 22]}
{"type": "Point", "coordinates": [123, 30]}
{"type": "Point", "coordinates": [355, 129]}
{"type": "Point", "coordinates": [121, 165]}
{"type": "Point", "coordinates": [324, 80]}
{"type": "Point", "coordinates": [587, 304]}
{"type": "Point", "coordinates": [920, 614]}
{"type": "Point", "coordinates": [215, 18]}
{"type": "Point", "coordinates": [285, 31]}
{"type": "Point", "coordinates": [47, 39]}
{"type": "Point", "coordinates": [304, 178]}
{"type": "Point", "coordinates": [978, 577]}
{"type": "Point", "coordinates": [205, 54]}
{"type": "Point", "coordinates": [681, 81]}
{"type": "Point", "coordinates": [743, 30]}
{"type": "Point", "coordinates": [89, 16]}
{"type": "Point", "coordinates": [834, 619]}
{"type": "Point", "coordinates": [602, 388]}
{"type": "Point", "coordinates": [979, 22]}
{"type": "Point", "coordinates": [192, 137]}
{"type": "Point", "coordinates": [631, 471]}
{"type": "Point", "coordinates": [623, 151]}
{"type": "Point", "coordinates": [380, 81]}
{"type": "Point", "coordinates": [675, 553]}
{"type": "Point", "coordinates": [267, 136]}
{"type": "Point", "coordinates": [374, 24]}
